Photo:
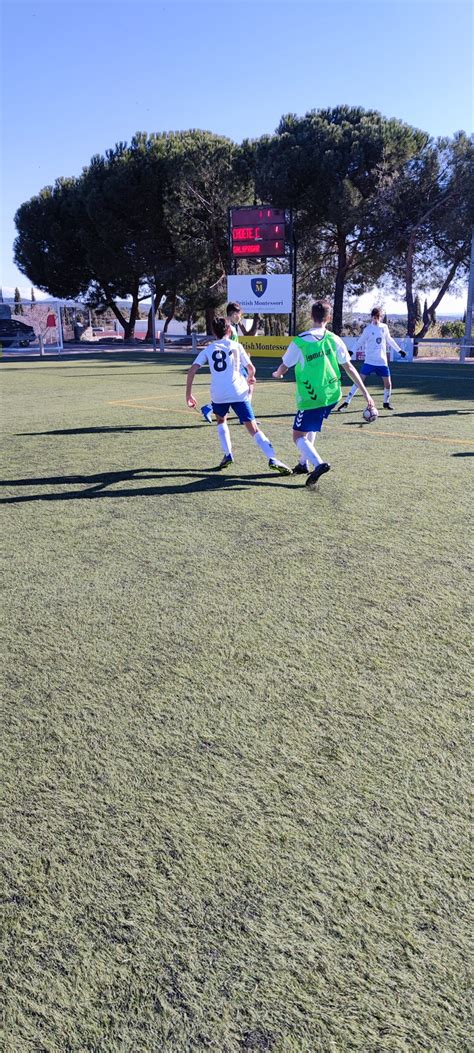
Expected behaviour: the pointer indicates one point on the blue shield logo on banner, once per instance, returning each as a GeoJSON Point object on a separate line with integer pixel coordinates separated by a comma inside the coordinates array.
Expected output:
{"type": "Point", "coordinates": [258, 286]}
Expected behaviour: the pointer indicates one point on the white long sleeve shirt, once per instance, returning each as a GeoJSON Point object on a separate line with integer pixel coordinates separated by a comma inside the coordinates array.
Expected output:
{"type": "Point", "coordinates": [374, 341]}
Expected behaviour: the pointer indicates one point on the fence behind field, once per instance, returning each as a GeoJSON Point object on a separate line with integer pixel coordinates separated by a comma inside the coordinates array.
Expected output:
{"type": "Point", "coordinates": [443, 347]}
{"type": "Point", "coordinates": [35, 328]}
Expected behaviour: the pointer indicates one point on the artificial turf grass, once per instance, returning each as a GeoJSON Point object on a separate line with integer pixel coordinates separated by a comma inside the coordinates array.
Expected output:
{"type": "Point", "coordinates": [243, 826]}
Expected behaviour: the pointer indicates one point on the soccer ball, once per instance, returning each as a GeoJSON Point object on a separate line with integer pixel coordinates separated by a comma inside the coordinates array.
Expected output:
{"type": "Point", "coordinates": [370, 414]}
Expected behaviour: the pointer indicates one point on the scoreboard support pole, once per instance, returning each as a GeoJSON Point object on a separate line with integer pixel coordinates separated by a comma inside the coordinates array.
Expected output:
{"type": "Point", "coordinates": [293, 268]}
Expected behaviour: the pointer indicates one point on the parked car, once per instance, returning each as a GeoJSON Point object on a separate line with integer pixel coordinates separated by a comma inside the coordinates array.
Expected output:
{"type": "Point", "coordinates": [16, 334]}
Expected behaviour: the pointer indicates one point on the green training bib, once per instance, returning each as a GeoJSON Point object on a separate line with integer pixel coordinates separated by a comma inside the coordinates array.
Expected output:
{"type": "Point", "coordinates": [318, 382]}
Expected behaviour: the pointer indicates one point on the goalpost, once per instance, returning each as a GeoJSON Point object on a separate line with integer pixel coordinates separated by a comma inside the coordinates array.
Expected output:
{"type": "Point", "coordinates": [31, 325]}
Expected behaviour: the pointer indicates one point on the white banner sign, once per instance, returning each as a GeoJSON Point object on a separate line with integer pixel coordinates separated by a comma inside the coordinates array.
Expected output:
{"type": "Point", "coordinates": [261, 293]}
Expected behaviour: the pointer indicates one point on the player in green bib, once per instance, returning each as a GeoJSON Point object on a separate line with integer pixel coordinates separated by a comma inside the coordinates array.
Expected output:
{"type": "Point", "coordinates": [316, 356]}
{"type": "Point", "coordinates": [317, 375]}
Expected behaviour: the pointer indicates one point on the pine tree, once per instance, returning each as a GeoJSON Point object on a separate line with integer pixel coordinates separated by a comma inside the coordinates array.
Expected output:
{"type": "Point", "coordinates": [418, 315]}
{"type": "Point", "coordinates": [33, 297]}
{"type": "Point", "coordinates": [18, 309]}
{"type": "Point", "coordinates": [426, 316]}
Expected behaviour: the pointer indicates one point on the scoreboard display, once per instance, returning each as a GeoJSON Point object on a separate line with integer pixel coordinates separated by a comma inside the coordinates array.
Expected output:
{"type": "Point", "coordinates": [257, 231]}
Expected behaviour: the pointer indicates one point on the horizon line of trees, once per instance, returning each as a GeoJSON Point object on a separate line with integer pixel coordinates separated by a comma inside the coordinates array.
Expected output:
{"type": "Point", "coordinates": [375, 201]}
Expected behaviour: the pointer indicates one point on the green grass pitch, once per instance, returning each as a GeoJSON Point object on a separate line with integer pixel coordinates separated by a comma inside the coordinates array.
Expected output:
{"type": "Point", "coordinates": [235, 748]}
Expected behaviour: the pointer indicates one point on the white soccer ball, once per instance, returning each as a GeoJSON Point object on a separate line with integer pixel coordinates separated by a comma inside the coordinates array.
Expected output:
{"type": "Point", "coordinates": [370, 414]}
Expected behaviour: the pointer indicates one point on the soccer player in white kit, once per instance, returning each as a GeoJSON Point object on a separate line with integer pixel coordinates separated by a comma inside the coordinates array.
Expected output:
{"type": "Point", "coordinates": [375, 339]}
{"type": "Point", "coordinates": [225, 357]}
{"type": "Point", "coordinates": [234, 317]}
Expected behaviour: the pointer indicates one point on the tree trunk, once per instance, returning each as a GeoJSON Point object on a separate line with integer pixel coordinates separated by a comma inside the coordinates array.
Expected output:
{"type": "Point", "coordinates": [149, 332]}
{"type": "Point", "coordinates": [209, 314]}
{"type": "Point", "coordinates": [437, 300]}
{"type": "Point", "coordinates": [340, 283]}
{"type": "Point", "coordinates": [130, 326]}
{"type": "Point", "coordinates": [411, 321]}
{"type": "Point", "coordinates": [171, 315]}
{"type": "Point", "coordinates": [121, 318]}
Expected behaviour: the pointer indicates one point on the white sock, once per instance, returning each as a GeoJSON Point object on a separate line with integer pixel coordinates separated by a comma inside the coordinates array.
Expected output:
{"type": "Point", "coordinates": [308, 452]}
{"type": "Point", "coordinates": [264, 445]}
{"type": "Point", "coordinates": [224, 437]}
{"type": "Point", "coordinates": [351, 393]}
{"type": "Point", "coordinates": [387, 392]}
{"type": "Point", "coordinates": [310, 437]}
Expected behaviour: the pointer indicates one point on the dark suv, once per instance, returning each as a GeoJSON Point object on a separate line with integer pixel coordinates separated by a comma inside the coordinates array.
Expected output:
{"type": "Point", "coordinates": [12, 332]}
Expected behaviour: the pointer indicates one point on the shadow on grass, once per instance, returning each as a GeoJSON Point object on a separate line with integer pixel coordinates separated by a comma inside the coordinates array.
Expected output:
{"type": "Point", "coordinates": [110, 429]}
{"type": "Point", "coordinates": [435, 413]}
{"type": "Point", "coordinates": [106, 430]}
{"type": "Point", "coordinates": [465, 453]}
{"type": "Point", "coordinates": [421, 413]}
{"type": "Point", "coordinates": [129, 373]}
{"type": "Point", "coordinates": [96, 485]}
{"type": "Point", "coordinates": [109, 358]}
{"type": "Point", "coordinates": [452, 381]}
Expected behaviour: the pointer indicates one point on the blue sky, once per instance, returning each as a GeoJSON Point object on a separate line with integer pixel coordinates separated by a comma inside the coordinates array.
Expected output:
{"type": "Point", "coordinates": [78, 77]}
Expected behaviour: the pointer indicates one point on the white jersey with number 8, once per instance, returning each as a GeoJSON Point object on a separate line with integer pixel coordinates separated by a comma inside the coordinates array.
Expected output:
{"type": "Point", "coordinates": [224, 358]}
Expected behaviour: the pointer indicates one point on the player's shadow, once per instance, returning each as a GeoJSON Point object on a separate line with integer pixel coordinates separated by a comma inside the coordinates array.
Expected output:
{"type": "Point", "coordinates": [422, 413]}
{"type": "Point", "coordinates": [116, 366]}
{"type": "Point", "coordinates": [435, 413]}
{"type": "Point", "coordinates": [97, 486]}
{"type": "Point", "coordinates": [465, 453]}
{"type": "Point", "coordinates": [106, 430]}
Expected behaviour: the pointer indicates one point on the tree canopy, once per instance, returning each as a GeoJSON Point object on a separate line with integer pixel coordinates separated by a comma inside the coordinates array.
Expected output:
{"type": "Point", "coordinates": [332, 167]}
{"type": "Point", "coordinates": [373, 200]}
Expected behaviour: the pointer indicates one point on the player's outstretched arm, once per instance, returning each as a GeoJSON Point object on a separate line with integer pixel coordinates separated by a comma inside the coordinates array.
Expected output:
{"type": "Point", "coordinates": [190, 400]}
{"type": "Point", "coordinates": [280, 372]}
{"type": "Point", "coordinates": [393, 344]}
{"type": "Point", "coordinates": [354, 375]}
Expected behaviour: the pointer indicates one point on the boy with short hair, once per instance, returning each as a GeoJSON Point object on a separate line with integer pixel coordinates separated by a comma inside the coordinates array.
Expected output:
{"type": "Point", "coordinates": [229, 388]}
{"type": "Point", "coordinates": [234, 318]}
{"type": "Point", "coordinates": [375, 339]}
{"type": "Point", "coordinates": [316, 355]}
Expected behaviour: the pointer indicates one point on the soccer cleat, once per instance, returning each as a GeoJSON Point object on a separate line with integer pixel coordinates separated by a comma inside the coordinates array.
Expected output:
{"type": "Point", "coordinates": [207, 413]}
{"type": "Point", "coordinates": [387, 405]}
{"type": "Point", "coordinates": [278, 466]}
{"type": "Point", "coordinates": [228, 459]}
{"type": "Point", "coordinates": [300, 469]}
{"type": "Point", "coordinates": [343, 406]}
{"type": "Point", "coordinates": [314, 476]}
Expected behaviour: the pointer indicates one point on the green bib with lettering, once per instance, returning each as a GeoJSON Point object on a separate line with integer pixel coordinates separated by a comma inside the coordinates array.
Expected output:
{"type": "Point", "coordinates": [318, 381]}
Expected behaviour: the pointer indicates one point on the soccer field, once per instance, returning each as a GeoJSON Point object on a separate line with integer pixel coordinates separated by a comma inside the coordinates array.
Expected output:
{"type": "Point", "coordinates": [236, 746]}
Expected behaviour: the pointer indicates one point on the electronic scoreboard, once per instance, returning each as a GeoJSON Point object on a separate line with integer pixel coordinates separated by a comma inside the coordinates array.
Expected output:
{"type": "Point", "coordinates": [258, 231]}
